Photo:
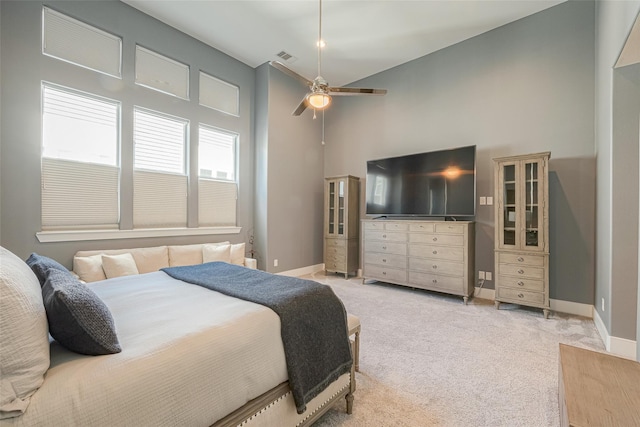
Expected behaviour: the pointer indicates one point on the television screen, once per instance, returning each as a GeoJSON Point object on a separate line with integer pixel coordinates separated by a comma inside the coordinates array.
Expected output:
{"type": "Point", "coordinates": [436, 183]}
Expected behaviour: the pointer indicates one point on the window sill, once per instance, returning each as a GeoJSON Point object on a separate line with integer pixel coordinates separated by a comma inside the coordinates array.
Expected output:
{"type": "Point", "coordinates": [80, 235]}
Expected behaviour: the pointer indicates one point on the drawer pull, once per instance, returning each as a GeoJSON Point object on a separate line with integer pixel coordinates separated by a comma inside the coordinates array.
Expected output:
{"type": "Point", "coordinates": [435, 252]}
{"type": "Point", "coordinates": [521, 271]}
{"type": "Point", "coordinates": [384, 260]}
{"type": "Point", "coordinates": [435, 281]}
{"type": "Point", "coordinates": [384, 273]}
{"type": "Point", "coordinates": [520, 259]}
{"type": "Point", "coordinates": [384, 247]}
{"type": "Point", "coordinates": [520, 283]}
{"type": "Point", "coordinates": [434, 267]}
{"type": "Point", "coordinates": [435, 239]}
{"type": "Point", "coordinates": [520, 296]}
{"type": "Point", "coordinates": [384, 236]}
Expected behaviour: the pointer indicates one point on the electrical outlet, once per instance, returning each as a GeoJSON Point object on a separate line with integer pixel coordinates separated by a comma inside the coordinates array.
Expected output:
{"type": "Point", "coordinates": [275, 262]}
{"type": "Point", "coordinates": [481, 275]}
{"type": "Point", "coordinates": [483, 200]}
{"type": "Point", "coordinates": [487, 275]}
{"type": "Point", "coordinates": [603, 305]}
{"type": "Point", "coordinates": [489, 200]}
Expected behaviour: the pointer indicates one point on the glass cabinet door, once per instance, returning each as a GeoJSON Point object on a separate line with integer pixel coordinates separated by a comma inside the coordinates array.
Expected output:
{"type": "Point", "coordinates": [509, 206]}
{"type": "Point", "coordinates": [341, 215]}
{"type": "Point", "coordinates": [331, 216]}
{"type": "Point", "coordinates": [532, 237]}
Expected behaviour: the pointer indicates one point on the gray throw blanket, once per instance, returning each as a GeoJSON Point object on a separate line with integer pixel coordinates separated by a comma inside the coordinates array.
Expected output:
{"type": "Point", "coordinates": [313, 320]}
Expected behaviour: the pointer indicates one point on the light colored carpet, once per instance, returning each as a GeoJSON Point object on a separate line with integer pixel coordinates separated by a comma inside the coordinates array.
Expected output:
{"type": "Point", "coordinates": [426, 359]}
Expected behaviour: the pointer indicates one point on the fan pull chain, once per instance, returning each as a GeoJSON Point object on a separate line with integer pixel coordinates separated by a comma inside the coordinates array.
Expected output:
{"type": "Point", "coordinates": [314, 114]}
{"type": "Point", "coordinates": [322, 127]}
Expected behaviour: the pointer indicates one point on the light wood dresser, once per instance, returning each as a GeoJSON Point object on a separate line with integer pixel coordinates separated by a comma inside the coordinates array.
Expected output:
{"type": "Point", "coordinates": [432, 255]}
{"type": "Point", "coordinates": [522, 230]}
{"type": "Point", "coordinates": [341, 232]}
{"type": "Point", "coordinates": [597, 389]}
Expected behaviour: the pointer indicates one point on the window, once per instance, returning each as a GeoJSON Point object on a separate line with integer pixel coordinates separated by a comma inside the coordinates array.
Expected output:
{"type": "Point", "coordinates": [217, 188]}
{"type": "Point", "coordinates": [219, 95]}
{"type": "Point", "coordinates": [80, 167]}
{"type": "Point", "coordinates": [160, 73]}
{"type": "Point", "coordinates": [75, 42]}
{"type": "Point", "coordinates": [159, 178]}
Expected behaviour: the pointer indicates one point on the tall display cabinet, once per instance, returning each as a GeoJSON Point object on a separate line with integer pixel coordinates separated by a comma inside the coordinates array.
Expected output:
{"type": "Point", "coordinates": [341, 222]}
{"type": "Point", "coordinates": [522, 230]}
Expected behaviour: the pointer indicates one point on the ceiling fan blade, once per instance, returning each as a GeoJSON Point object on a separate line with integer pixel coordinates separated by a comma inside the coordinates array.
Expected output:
{"type": "Point", "coordinates": [280, 66]}
{"type": "Point", "coordinates": [301, 107]}
{"type": "Point", "coordinates": [350, 91]}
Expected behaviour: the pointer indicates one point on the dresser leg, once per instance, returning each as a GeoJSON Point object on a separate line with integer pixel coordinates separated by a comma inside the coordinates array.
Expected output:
{"type": "Point", "coordinates": [497, 304]}
{"type": "Point", "coordinates": [545, 311]}
{"type": "Point", "coordinates": [465, 299]}
{"type": "Point", "coordinates": [346, 275]}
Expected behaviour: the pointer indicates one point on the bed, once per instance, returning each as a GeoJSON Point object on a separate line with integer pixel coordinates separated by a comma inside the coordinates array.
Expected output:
{"type": "Point", "coordinates": [190, 356]}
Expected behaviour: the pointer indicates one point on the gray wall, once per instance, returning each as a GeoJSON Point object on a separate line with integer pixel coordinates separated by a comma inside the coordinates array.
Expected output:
{"type": "Point", "coordinates": [23, 69]}
{"type": "Point", "coordinates": [289, 177]}
{"type": "Point", "coordinates": [614, 21]}
{"type": "Point", "coordinates": [522, 88]}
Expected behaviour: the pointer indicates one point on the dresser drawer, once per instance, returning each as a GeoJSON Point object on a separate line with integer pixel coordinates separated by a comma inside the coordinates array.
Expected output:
{"type": "Point", "coordinates": [385, 260]}
{"type": "Point", "coordinates": [330, 243]}
{"type": "Point", "coordinates": [335, 265]}
{"type": "Point", "coordinates": [437, 266]}
{"type": "Point", "coordinates": [386, 247]}
{"type": "Point", "coordinates": [437, 239]}
{"type": "Point", "coordinates": [386, 225]}
{"type": "Point", "coordinates": [522, 259]}
{"type": "Point", "coordinates": [437, 252]}
{"type": "Point", "coordinates": [434, 281]}
{"type": "Point", "coordinates": [391, 236]}
{"type": "Point", "coordinates": [385, 273]}
{"type": "Point", "coordinates": [518, 283]}
{"type": "Point", "coordinates": [521, 271]}
{"type": "Point", "coordinates": [335, 251]}
{"type": "Point", "coordinates": [449, 228]}
{"type": "Point", "coordinates": [518, 295]}
{"type": "Point", "coordinates": [421, 227]}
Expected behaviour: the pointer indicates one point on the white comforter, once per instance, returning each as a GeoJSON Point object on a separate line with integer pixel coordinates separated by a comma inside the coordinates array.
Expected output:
{"type": "Point", "coordinates": [190, 356]}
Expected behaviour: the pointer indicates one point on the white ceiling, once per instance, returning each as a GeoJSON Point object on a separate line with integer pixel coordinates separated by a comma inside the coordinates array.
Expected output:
{"type": "Point", "coordinates": [363, 37]}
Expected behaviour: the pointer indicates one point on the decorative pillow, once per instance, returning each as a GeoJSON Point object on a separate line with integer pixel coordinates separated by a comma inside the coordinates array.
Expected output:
{"type": "Point", "coordinates": [40, 264]}
{"type": "Point", "coordinates": [237, 254]}
{"type": "Point", "coordinates": [119, 265]}
{"type": "Point", "coordinates": [212, 253]}
{"type": "Point", "coordinates": [78, 319]}
{"type": "Point", "coordinates": [151, 259]}
{"type": "Point", "coordinates": [24, 342]}
{"type": "Point", "coordinates": [89, 268]}
{"type": "Point", "coordinates": [180, 255]}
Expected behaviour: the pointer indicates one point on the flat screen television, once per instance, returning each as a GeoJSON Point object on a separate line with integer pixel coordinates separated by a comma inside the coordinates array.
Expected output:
{"type": "Point", "coordinates": [433, 184]}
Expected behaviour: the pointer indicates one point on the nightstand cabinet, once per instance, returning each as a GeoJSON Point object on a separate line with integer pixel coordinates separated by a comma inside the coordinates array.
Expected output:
{"type": "Point", "coordinates": [341, 224]}
{"type": "Point", "coordinates": [522, 230]}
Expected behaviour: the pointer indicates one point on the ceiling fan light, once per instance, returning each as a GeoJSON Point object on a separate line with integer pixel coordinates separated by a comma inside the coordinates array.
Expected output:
{"type": "Point", "coordinates": [319, 100]}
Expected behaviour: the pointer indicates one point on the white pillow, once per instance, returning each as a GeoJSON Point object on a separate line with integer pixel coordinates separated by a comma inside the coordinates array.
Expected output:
{"type": "Point", "coordinates": [151, 259]}
{"type": "Point", "coordinates": [119, 265]}
{"type": "Point", "coordinates": [24, 338]}
{"type": "Point", "coordinates": [187, 254]}
{"type": "Point", "coordinates": [237, 254]}
{"type": "Point", "coordinates": [212, 253]}
{"type": "Point", "coordinates": [89, 268]}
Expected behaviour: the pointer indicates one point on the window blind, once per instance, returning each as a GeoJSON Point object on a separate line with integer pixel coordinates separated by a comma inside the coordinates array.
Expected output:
{"type": "Point", "coordinates": [81, 44]}
{"type": "Point", "coordinates": [217, 203]}
{"type": "Point", "coordinates": [216, 153]}
{"type": "Point", "coordinates": [219, 95]}
{"type": "Point", "coordinates": [160, 182]}
{"type": "Point", "coordinates": [163, 74]}
{"type": "Point", "coordinates": [78, 195]}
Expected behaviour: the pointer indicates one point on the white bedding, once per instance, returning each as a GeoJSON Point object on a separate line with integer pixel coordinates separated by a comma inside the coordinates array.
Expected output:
{"type": "Point", "coordinates": [189, 357]}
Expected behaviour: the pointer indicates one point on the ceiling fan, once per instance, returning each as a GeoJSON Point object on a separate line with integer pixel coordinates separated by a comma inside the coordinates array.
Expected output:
{"type": "Point", "coordinates": [320, 93]}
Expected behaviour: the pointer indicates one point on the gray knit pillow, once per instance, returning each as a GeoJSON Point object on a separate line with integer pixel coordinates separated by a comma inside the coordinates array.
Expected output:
{"type": "Point", "coordinates": [41, 265]}
{"type": "Point", "coordinates": [78, 319]}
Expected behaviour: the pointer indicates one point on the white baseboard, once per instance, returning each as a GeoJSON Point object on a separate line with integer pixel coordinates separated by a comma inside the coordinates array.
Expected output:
{"type": "Point", "coordinates": [303, 271]}
{"type": "Point", "coordinates": [619, 346]}
{"type": "Point", "coordinates": [568, 307]}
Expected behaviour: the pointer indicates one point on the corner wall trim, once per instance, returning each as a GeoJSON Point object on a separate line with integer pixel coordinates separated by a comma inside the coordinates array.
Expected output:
{"type": "Point", "coordinates": [619, 346]}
